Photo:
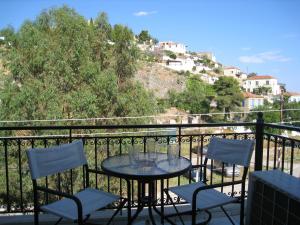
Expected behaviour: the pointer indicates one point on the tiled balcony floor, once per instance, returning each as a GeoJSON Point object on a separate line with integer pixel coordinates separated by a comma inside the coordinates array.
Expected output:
{"type": "Point", "coordinates": [218, 218]}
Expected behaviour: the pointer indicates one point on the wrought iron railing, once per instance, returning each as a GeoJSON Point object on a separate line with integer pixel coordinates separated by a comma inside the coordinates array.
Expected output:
{"type": "Point", "coordinates": [103, 141]}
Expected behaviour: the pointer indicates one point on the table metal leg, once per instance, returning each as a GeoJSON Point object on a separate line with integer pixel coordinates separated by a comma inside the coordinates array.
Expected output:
{"type": "Point", "coordinates": [162, 221]}
{"type": "Point", "coordinates": [129, 202]}
{"type": "Point", "coordinates": [143, 200]}
{"type": "Point", "coordinates": [151, 200]}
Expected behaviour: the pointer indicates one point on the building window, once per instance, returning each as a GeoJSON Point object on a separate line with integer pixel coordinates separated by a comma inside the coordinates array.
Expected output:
{"type": "Point", "coordinates": [267, 82]}
{"type": "Point", "coordinates": [256, 83]}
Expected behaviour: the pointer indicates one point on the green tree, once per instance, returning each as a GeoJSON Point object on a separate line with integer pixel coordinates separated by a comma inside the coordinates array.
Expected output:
{"type": "Point", "coordinates": [263, 90]}
{"type": "Point", "coordinates": [228, 95]}
{"type": "Point", "coordinates": [61, 66]}
{"type": "Point", "coordinates": [171, 54]}
{"type": "Point", "coordinates": [103, 25]}
{"type": "Point", "coordinates": [9, 36]}
{"type": "Point", "coordinates": [144, 36]}
{"type": "Point", "coordinates": [125, 52]}
{"type": "Point", "coordinates": [195, 98]}
{"type": "Point", "coordinates": [292, 115]}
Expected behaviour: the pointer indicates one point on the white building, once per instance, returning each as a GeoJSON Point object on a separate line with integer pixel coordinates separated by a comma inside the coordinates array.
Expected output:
{"type": "Point", "coordinates": [172, 46]}
{"type": "Point", "coordinates": [252, 101]}
{"type": "Point", "coordinates": [293, 96]}
{"type": "Point", "coordinates": [254, 82]}
{"type": "Point", "coordinates": [179, 64]}
{"type": "Point", "coordinates": [232, 71]}
{"type": "Point", "coordinates": [208, 55]}
{"type": "Point", "coordinates": [242, 76]}
{"type": "Point", "coordinates": [209, 78]}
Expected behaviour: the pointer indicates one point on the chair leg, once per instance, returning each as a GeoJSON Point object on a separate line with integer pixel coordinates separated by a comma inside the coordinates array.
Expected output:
{"type": "Point", "coordinates": [36, 207]}
{"type": "Point", "coordinates": [242, 199]}
{"type": "Point", "coordinates": [36, 217]}
{"type": "Point", "coordinates": [208, 219]}
{"type": "Point", "coordinates": [227, 215]}
{"type": "Point", "coordinates": [116, 212]}
{"type": "Point", "coordinates": [80, 222]}
{"type": "Point", "coordinates": [242, 211]}
{"type": "Point", "coordinates": [58, 221]}
{"type": "Point", "coordinates": [169, 197]}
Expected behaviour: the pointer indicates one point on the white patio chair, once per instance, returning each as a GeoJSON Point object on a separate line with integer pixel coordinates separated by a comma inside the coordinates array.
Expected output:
{"type": "Point", "coordinates": [203, 197]}
{"type": "Point", "coordinates": [78, 207]}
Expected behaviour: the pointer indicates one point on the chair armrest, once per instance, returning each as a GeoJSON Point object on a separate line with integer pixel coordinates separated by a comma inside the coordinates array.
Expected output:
{"type": "Point", "coordinates": [100, 172]}
{"type": "Point", "coordinates": [63, 194]}
{"type": "Point", "coordinates": [195, 193]}
{"type": "Point", "coordinates": [198, 166]}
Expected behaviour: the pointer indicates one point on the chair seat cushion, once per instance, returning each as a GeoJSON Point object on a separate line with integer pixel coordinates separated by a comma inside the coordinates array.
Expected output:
{"type": "Point", "coordinates": [206, 199]}
{"type": "Point", "coordinates": [91, 200]}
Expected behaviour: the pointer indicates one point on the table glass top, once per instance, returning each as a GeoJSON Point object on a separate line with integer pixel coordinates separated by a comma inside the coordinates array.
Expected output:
{"type": "Point", "coordinates": [146, 165]}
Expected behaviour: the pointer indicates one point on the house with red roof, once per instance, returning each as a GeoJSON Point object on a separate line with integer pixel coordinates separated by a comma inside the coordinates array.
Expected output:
{"type": "Point", "coordinates": [231, 71]}
{"type": "Point", "coordinates": [255, 82]}
{"type": "Point", "coordinates": [293, 96]}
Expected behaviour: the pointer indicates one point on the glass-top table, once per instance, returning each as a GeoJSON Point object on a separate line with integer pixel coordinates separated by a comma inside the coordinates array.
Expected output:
{"type": "Point", "coordinates": [146, 168]}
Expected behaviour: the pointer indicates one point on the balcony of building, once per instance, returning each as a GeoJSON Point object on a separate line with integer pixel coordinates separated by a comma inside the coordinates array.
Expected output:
{"type": "Point", "coordinates": [272, 151]}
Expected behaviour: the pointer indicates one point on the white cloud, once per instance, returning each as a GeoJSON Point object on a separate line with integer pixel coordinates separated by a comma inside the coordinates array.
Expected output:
{"type": "Point", "coordinates": [246, 48]}
{"type": "Point", "coordinates": [144, 13]}
{"type": "Point", "coordinates": [263, 57]}
{"type": "Point", "coordinates": [290, 35]}
{"type": "Point", "coordinates": [250, 59]}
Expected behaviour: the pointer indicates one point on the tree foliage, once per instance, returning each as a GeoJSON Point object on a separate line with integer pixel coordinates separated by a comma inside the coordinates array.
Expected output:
{"type": "Point", "coordinates": [144, 36]}
{"type": "Point", "coordinates": [61, 66]}
{"type": "Point", "coordinates": [195, 98]}
{"type": "Point", "coordinates": [228, 95]}
{"type": "Point", "coordinates": [263, 90]}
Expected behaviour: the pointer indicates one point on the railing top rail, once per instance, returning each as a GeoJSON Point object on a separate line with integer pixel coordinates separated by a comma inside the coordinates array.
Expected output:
{"type": "Point", "coordinates": [282, 127]}
{"type": "Point", "coordinates": [87, 136]}
{"type": "Point", "coordinates": [73, 127]}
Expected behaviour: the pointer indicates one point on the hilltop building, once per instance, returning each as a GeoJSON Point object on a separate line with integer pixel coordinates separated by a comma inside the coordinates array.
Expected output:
{"type": "Point", "coordinates": [231, 71]}
{"type": "Point", "coordinates": [172, 46]}
{"type": "Point", "coordinates": [208, 55]}
{"type": "Point", "coordinates": [293, 96]}
{"type": "Point", "coordinates": [254, 82]}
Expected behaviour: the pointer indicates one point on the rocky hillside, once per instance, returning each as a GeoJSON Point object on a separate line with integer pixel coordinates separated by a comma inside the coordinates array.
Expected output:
{"type": "Point", "coordinates": [159, 79]}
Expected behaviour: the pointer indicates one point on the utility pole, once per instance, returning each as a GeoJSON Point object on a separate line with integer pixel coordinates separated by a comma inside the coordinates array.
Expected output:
{"type": "Point", "coordinates": [282, 91]}
{"type": "Point", "coordinates": [281, 107]}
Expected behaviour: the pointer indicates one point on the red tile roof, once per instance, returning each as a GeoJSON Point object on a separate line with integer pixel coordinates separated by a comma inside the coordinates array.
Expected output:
{"type": "Point", "coordinates": [291, 94]}
{"type": "Point", "coordinates": [231, 68]}
{"type": "Point", "coordinates": [250, 95]}
{"type": "Point", "coordinates": [261, 77]}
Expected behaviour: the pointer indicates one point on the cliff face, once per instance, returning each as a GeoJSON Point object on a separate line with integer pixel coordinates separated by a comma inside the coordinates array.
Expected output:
{"type": "Point", "coordinates": [159, 79]}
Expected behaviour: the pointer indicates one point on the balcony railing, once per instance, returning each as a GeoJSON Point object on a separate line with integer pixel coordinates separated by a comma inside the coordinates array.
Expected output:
{"type": "Point", "coordinates": [273, 150]}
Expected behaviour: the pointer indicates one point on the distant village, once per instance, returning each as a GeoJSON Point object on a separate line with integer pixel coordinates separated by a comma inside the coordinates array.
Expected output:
{"type": "Point", "coordinates": [256, 88]}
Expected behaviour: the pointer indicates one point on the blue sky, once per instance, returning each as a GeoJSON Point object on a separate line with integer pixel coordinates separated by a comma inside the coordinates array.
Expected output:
{"type": "Point", "coordinates": [260, 36]}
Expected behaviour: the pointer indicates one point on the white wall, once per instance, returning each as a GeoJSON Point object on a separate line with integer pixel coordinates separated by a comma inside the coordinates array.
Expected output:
{"type": "Point", "coordinates": [249, 85]}
{"type": "Point", "coordinates": [251, 103]}
{"type": "Point", "coordinates": [172, 46]}
{"type": "Point", "coordinates": [294, 98]}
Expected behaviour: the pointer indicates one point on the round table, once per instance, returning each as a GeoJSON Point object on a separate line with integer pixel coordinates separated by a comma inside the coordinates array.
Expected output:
{"type": "Point", "coordinates": [145, 170]}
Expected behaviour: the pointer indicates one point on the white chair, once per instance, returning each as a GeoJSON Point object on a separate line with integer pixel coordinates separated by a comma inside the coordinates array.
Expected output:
{"type": "Point", "coordinates": [78, 207]}
{"type": "Point", "coordinates": [203, 197]}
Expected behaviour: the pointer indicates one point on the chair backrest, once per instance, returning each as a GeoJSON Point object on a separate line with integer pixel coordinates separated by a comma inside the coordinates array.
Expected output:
{"type": "Point", "coordinates": [48, 161]}
{"type": "Point", "coordinates": [232, 151]}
